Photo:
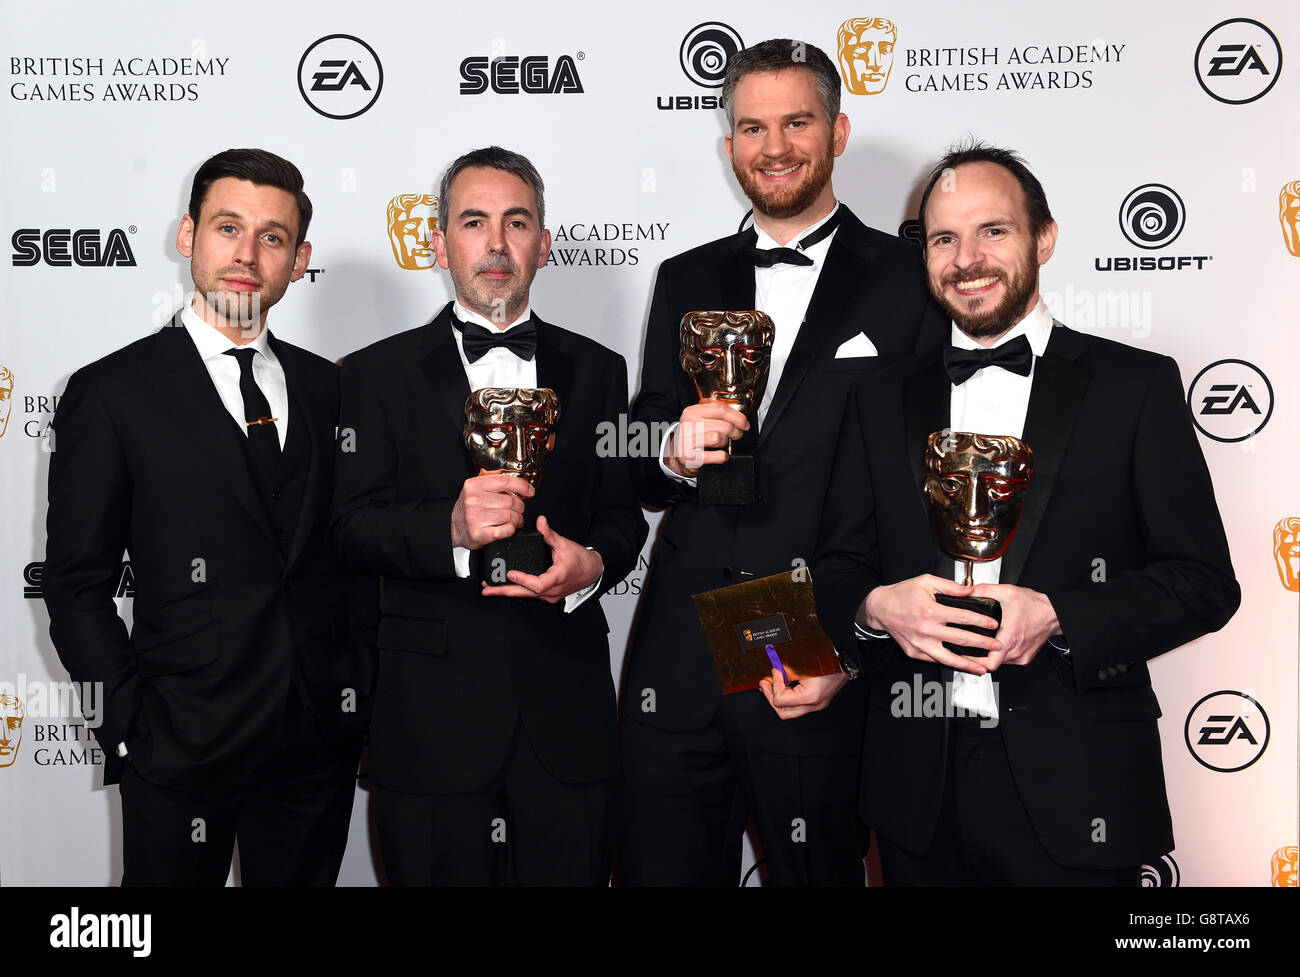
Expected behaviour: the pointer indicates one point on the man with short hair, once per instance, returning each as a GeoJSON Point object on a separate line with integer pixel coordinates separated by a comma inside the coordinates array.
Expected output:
{"type": "Point", "coordinates": [234, 709]}
{"type": "Point", "coordinates": [1045, 767]}
{"type": "Point", "coordinates": [699, 765]}
{"type": "Point", "coordinates": [495, 716]}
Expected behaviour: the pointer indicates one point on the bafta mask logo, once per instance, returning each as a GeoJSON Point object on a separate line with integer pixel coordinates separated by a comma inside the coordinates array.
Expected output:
{"type": "Point", "coordinates": [11, 728]}
{"type": "Point", "coordinates": [976, 486]}
{"type": "Point", "coordinates": [1289, 214]}
{"type": "Point", "coordinates": [727, 355]}
{"type": "Point", "coordinates": [866, 50]}
{"type": "Point", "coordinates": [1286, 552]}
{"type": "Point", "coordinates": [412, 219]}
{"type": "Point", "coordinates": [1284, 875]}
{"type": "Point", "coordinates": [511, 430]}
{"type": "Point", "coordinates": [6, 397]}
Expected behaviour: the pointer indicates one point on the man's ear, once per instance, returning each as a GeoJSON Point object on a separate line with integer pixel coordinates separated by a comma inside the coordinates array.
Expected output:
{"type": "Point", "coordinates": [440, 246]}
{"type": "Point", "coordinates": [301, 259]}
{"type": "Point", "coordinates": [1046, 242]}
{"type": "Point", "coordinates": [545, 249]}
{"type": "Point", "coordinates": [185, 236]}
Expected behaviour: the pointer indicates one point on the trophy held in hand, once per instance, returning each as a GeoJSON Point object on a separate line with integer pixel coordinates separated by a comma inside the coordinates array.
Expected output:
{"type": "Point", "coordinates": [727, 356]}
{"type": "Point", "coordinates": [975, 485]}
{"type": "Point", "coordinates": [511, 431]}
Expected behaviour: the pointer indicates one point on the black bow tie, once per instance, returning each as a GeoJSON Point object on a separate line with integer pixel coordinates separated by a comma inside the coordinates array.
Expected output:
{"type": "Point", "coordinates": [520, 339]}
{"type": "Point", "coordinates": [1015, 356]}
{"type": "Point", "coordinates": [789, 256]}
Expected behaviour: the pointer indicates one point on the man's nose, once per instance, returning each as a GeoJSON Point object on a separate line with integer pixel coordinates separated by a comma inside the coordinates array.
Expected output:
{"type": "Point", "coordinates": [969, 252]}
{"type": "Point", "coordinates": [496, 237]}
{"type": "Point", "coordinates": [246, 251]}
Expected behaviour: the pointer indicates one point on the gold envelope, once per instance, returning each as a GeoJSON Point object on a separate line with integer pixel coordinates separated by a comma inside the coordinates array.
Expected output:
{"type": "Point", "coordinates": [740, 622]}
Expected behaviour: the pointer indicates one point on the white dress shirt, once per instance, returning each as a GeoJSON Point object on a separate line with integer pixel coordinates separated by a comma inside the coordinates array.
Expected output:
{"type": "Point", "coordinates": [783, 292]}
{"type": "Point", "coordinates": [224, 371]}
{"type": "Point", "coordinates": [993, 401]}
{"type": "Point", "coordinates": [500, 367]}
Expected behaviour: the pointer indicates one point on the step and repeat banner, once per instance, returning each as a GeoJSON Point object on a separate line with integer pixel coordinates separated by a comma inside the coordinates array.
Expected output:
{"type": "Point", "coordinates": [1166, 140]}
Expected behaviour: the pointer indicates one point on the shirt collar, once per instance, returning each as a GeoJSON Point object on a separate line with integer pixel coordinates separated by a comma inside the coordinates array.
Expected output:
{"type": "Point", "coordinates": [466, 315]}
{"type": "Point", "coordinates": [211, 343]}
{"type": "Point", "coordinates": [766, 242]}
{"type": "Point", "coordinates": [1036, 327]}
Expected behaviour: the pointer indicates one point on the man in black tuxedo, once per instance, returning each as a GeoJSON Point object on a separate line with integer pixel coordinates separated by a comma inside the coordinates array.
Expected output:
{"type": "Point", "coordinates": [495, 712]}
{"type": "Point", "coordinates": [1045, 768]}
{"type": "Point", "coordinates": [236, 705]}
{"type": "Point", "coordinates": [697, 765]}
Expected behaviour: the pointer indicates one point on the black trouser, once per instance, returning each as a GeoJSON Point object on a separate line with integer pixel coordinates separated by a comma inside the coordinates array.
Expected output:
{"type": "Point", "coordinates": [688, 796]}
{"type": "Point", "coordinates": [292, 827]}
{"type": "Point", "coordinates": [524, 827]}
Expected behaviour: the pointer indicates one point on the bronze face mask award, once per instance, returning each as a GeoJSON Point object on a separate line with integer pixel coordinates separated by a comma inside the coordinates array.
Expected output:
{"type": "Point", "coordinates": [975, 485]}
{"type": "Point", "coordinates": [511, 431]}
{"type": "Point", "coordinates": [727, 355]}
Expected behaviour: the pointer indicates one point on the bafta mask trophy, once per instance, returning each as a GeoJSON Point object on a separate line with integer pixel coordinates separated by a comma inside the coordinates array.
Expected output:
{"type": "Point", "coordinates": [511, 431]}
{"type": "Point", "coordinates": [727, 355]}
{"type": "Point", "coordinates": [975, 485]}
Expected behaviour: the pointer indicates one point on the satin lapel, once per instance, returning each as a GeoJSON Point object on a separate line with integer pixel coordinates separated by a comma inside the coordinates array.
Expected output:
{"type": "Point", "coordinates": [1054, 401]}
{"type": "Point", "coordinates": [187, 393]}
{"type": "Point", "coordinates": [927, 406]}
{"type": "Point", "coordinates": [306, 408]}
{"type": "Point", "coordinates": [844, 269]}
{"type": "Point", "coordinates": [442, 367]}
{"type": "Point", "coordinates": [736, 276]}
{"type": "Point", "coordinates": [554, 368]}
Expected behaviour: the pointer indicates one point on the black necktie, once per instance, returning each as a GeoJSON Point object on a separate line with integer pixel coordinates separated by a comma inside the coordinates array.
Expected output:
{"type": "Point", "coordinates": [520, 339]}
{"type": "Point", "coordinates": [789, 256]}
{"type": "Point", "coordinates": [962, 364]}
{"type": "Point", "coordinates": [262, 436]}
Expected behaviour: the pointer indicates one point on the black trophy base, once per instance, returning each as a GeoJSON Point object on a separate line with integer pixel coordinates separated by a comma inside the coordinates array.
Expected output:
{"type": "Point", "coordinates": [980, 605]}
{"type": "Point", "coordinates": [526, 552]}
{"type": "Point", "coordinates": [731, 483]}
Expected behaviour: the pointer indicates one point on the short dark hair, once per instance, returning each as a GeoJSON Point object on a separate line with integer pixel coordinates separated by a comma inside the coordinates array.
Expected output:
{"type": "Point", "coordinates": [492, 158]}
{"type": "Point", "coordinates": [977, 152]}
{"type": "Point", "coordinates": [258, 167]}
{"type": "Point", "coordinates": [776, 55]}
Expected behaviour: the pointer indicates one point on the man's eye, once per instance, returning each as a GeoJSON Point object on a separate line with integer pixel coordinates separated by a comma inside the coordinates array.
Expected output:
{"type": "Point", "coordinates": [273, 238]}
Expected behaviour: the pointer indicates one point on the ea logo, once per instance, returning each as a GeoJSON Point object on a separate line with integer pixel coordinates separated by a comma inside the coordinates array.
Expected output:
{"type": "Point", "coordinates": [1230, 400]}
{"type": "Point", "coordinates": [1152, 216]}
{"type": "Point", "coordinates": [1162, 875]}
{"type": "Point", "coordinates": [1238, 61]}
{"type": "Point", "coordinates": [340, 76]}
{"type": "Point", "coordinates": [706, 50]}
{"type": "Point", "coordinates": [910, 230]}
{"type": "Point", "coordinates": [1226, 731]}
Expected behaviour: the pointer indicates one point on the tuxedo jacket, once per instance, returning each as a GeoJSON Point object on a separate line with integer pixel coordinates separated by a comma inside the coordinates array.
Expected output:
{"type": "Point", "coordinates": [228, 620]}
{"type": "Point", "coordinates": [1120, 530]}
{"type": "Point", "coordinates": [457, 670]}
{"type": "Point", "coordinates": [871, 284]}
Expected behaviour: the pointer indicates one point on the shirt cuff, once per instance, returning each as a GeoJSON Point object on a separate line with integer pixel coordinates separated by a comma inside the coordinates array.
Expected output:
{"type": "Point", "coordinates": [121, 749]}
{"type": "Point", "coordinates": [865, 634]}
{"type": "Point", "coordinates": [575, 599]}
{"type": "Point", "coordinates": [1059, 642]}
{"type": "Point", "coordinates": [663, 466]}
{"type": "Point", "coordinates": [460, 559]}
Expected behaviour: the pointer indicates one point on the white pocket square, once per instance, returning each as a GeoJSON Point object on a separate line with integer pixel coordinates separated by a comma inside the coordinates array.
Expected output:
{"type": "Point", "coordinates": [859, 345]}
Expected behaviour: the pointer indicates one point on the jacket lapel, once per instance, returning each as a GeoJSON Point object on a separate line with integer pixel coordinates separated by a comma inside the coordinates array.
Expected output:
{"type": "Point", "coordinates": [442, 367]}
{"type": "Point", "coordinates": [189, 395]}
{"type": "Point", "coordinates": [1055, 398]}
{"type": "Point", "coordinates": [927, 407]}
{"type": "Point", "coordinates": [554, 367]}
{"type": "Point", "coordinates": [845, 266]}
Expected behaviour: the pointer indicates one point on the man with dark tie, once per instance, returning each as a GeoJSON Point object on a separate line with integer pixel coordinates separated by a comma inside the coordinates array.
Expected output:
{"type": "Point", "coordinates": [697, 765]}
{"type": "Point", "coordinates": [234, 709]}
{"type": "Point", "coordinates": [493, 742]}
{"type": "Point", "coordinates": [1045, 766]}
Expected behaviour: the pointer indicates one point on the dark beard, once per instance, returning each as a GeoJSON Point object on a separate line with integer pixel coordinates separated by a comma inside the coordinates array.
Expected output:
{"type": "Point", "coordinates": [818, 177]}
{"type": "Point", "coordinates": [989, 323]}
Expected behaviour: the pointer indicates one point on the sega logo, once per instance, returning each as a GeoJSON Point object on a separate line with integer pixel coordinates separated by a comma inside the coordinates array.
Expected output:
{"type": "Point", "coordinates": [63, 247]}
{"type": "Point", "coordinates": [511, 75]}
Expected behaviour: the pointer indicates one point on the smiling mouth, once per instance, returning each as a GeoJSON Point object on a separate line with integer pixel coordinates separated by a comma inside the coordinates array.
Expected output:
{"type": "Point", "coordinates": [975, 284]}
{"type": "Point", "coordinates": [780, 174]}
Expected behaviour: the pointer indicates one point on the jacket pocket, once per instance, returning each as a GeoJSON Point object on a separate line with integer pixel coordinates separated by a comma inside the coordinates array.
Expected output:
{"type": "Point", "coordinates": [1121, 705]}
{"type": "Point", "coordinates": [183, 654]}
{"type": "Point", "coordinates": [412, 634]}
